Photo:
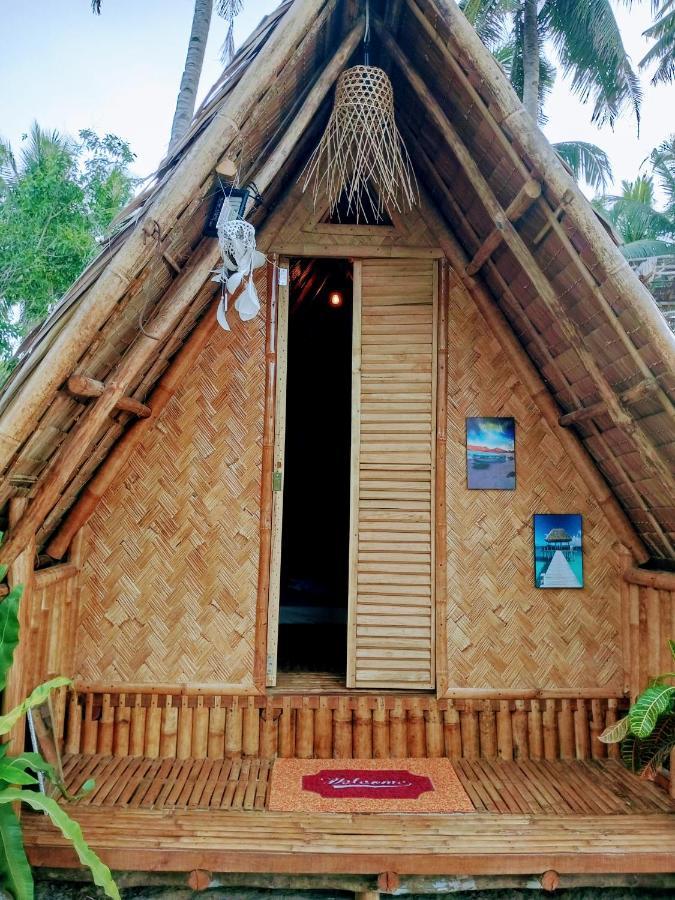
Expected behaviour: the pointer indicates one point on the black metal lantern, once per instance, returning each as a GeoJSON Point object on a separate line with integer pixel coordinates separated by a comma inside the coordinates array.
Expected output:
{"type": "Point", "coordinates": [236, 200]}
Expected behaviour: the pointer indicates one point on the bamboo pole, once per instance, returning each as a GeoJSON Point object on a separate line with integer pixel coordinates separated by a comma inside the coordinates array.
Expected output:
{"type": "Point", "coordinates": [94, 307]}
{"type": "Point", "coordinates": [440, 488]}
{"type": "Point", "coordinates": [267, 468]}
{"type": "Point", "coordinates": [20, 572]}
{"type": "Point", "coordinates": [660, 581]}
{"type": "Point", "coordinates": [82, 386]}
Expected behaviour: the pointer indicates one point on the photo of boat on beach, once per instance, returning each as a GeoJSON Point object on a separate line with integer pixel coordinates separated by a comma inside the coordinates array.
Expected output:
{"type": "Point", "coordinates": [558, 554]}
{"type": "Point", "coordinates": [491, 453]}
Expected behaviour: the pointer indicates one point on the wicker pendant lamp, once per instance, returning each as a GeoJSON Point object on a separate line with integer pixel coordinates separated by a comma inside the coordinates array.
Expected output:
{"type": "Point", "coordinates": [361, 155]}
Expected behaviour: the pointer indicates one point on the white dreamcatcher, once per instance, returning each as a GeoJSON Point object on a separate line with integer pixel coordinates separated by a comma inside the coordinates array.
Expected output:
{"type": "Point", "coordinates": [240, 259]}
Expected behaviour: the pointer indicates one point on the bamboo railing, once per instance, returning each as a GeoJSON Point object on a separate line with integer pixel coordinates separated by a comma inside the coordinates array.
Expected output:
{"type": "Point", "coordinates": [337, 726]}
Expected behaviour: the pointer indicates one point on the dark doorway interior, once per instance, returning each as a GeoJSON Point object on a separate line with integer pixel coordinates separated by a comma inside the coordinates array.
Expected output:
{"type": "Point", "coordinates": [315, 529]}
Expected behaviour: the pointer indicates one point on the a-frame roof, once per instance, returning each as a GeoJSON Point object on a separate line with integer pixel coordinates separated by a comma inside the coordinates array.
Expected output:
{"type": "Point", "coordinates": [514, 224]}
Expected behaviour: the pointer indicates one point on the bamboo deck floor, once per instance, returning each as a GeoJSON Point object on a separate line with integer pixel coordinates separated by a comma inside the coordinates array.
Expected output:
{"type": "Point", "coordinates": [530, 816]}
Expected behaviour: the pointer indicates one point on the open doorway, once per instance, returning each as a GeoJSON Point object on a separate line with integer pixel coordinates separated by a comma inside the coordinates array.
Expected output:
{"type": "Point", "coordinates": [313, 595]}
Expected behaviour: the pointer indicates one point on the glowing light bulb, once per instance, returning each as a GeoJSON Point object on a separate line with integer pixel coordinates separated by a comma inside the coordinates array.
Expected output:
{"type": "Point", "coordinates": [335, 299]}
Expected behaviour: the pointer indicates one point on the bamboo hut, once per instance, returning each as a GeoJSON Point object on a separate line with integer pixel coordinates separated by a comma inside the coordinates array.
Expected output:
{"type": "Point", "coordinates": [258, 544]}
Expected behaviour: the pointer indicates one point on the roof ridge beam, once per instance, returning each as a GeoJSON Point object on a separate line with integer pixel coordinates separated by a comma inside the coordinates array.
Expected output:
{"type": "Point", "coordinates": [528, 262]}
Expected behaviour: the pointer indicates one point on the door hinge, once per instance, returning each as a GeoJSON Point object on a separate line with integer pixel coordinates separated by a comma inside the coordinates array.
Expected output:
{"type": "Point", "coordinates": [277, 480]}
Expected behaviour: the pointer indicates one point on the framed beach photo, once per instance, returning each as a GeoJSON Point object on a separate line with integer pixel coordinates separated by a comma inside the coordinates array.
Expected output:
{"type": "Point", "coordinates": [491, 453]}
{"type": "Point", "coordinates": [558, 550]}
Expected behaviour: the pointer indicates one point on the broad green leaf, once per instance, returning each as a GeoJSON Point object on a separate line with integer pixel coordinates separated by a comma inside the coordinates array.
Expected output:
{"type": "Point", "coordinates": [12, 775]}
{"type": "Point", "coordinates": [616, 732]}
{"type": "Point", "coordinates": [645, 755]}
{"type": "Point", "coordinates": [646, 710]}
{"type": "Point", "coordinates": [671, 644]}
{"type": "Point", "coordinates": [35, 762]}
{"type": "Point", "coordinates": [15, 871]}
{"type": "Point", "coordinates": [37, 698]}
{"type": "Point", "coordinates": [9, 631]}
{"type": "Point", "coordinates": [71, 830]}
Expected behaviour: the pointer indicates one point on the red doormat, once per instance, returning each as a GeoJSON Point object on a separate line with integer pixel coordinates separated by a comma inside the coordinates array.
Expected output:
{"type": "Point", "coordinates": [367, 786]}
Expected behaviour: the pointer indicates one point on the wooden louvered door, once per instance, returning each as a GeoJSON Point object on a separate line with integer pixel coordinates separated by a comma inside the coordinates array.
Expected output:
{"type": "Point", "coordinates": [391, 596]}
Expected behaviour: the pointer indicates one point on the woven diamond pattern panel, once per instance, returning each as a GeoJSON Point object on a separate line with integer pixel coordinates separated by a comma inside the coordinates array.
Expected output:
{"type": "Point", "coordinates": [502, 631]}
{"type": "Point", "coordinates": [169, 584]}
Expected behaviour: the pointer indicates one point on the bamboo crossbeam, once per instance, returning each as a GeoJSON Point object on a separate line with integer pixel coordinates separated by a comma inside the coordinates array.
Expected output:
{"type": "Point", "coordinates": [181, 186]}
{"type": "Point", "coordinates": [527, 261]}
{"type": "Point", "coordinates": [43, 578]}
{"type": "Point", "coordinates": [660, 581]}
{"type": "Point", "coordinates": [632, 395]}
{"type": "Point", "coordinates": [81, 386]}
{"type": "Point", "coordinates": [523, 200]}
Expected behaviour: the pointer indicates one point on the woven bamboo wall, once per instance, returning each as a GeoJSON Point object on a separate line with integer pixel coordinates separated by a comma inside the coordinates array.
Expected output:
{"type": "Point", "coordinates": [169, 580]}
{"type": "Point", "coordinates": [337, 727]}
{"type": "Point", "coordinates": [502, 632]}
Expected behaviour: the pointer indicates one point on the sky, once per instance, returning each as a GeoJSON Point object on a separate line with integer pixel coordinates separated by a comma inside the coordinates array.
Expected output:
{"type": "Point", "coordinates": [119, 72]}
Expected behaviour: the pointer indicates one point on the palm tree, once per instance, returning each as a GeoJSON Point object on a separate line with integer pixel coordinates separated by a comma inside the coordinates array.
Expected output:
{"type": "Point", "coordinates": [662, 160]}
{"type": "Point", "coordinates": [663, 51]}
{"type": "Point", "coordinates": [586, 37]}
{"type": "Point", "coordinates": [645, 230]}
{"type": "Point", "coordinates": [194, 59]}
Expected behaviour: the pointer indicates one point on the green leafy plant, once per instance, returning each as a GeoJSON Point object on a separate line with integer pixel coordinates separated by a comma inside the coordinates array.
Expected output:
{"type": "Point", "coordinates": [647, 732]}
{"type": "Point", "coordinates": [18, 777]}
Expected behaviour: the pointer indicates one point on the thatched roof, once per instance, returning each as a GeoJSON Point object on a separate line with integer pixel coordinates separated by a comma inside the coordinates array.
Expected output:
{"type": "Point", "coordinates": [585, 321]}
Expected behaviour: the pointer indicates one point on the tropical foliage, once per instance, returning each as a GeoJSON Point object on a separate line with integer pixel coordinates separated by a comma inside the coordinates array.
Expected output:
{"type": "Point", "coordinates": [18, 777]}
{"type": "Point", "coordinates": [587, 41]}
{"type": "Point", "coordinates": [662, 53]}
{"type": "Point", "coordinates": [647, 733]}
{"type": "Point", "coordinates": [58, 197]}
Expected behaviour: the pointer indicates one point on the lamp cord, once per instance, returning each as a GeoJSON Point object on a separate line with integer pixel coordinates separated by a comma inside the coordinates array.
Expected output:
{"type": "Point", "coordinates": [366, 36]}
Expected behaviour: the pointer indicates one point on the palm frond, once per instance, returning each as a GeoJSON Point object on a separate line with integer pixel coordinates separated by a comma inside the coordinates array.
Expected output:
{"type": "Point", "coordinates": [587, 161]}
{"type": "Point", "coordinates": [587, 38]}
{"type": "Point", "coordinates": [490, 18]}
{"type": "Point", "coordinates": [662, 32]}
{"type": "Point", "coordinates": [645, 249]}
{"type": "Point", "coordinates": [96, 7]}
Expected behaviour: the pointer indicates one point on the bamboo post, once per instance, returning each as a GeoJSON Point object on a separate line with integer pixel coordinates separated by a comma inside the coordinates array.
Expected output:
{"type": "Point", "coordinates": [613, 750]}
{"type": "Point", "coordinates": [487, 724]}
{"type": "Point", "coordinates": [286, 742]}
{"type": "Point", "coordinates": [250, 740]}
{"type": "Point", "coordinates": [200, 730]}
{"type": "Point", "coordinates": [184, 182]}
{"type": "Point", "coordinates": [434, 731]}
{"type": "Point", "coordinates": [168, 737]}
{"type": "Point", "coordinates": [416, 743]}
{"type": "Point", "coordinates": [470, 731]}
{"type": "Point", "coordinates": [153, 728]}
{"type": "Point", "coordinates": [342, 729]}
{"type": "Point", "coordinates": [551, 750]}
{"type": "Point", "coordinates": [121, 727]}
{"type": "Point", "coordinates": [269, 733]}
{"type": "Point", "coordinates": [304, 731]}
{"type": "Point", "coordinates": [440, 499]}
{"type": "Point", "coordinates": [106, 727]}
{"type": "Point", "coordinates": [581, 732]}
{"type": "Point", "coordinates": [535, 733]}
{"type": "Point", "coordinates": [504, 731]}
{"type": "Point", "coordinates": [137, 728]}
{"type": "Point", "coordinates": [184, 730]}
{"type": "Point", "coordinates": [19, 572]}
{"type": "Point", "coordinates": [452, 732]}
{"type": "Point", "coordinates": [380, 730]}
{"type": "Point", "coordinates": [363, 730]}
{"type": "Point", "coordinates": [398, 744]}
{"type": "Point", "coordinates": [519, 724]}
{"type": "Point", "coordinates": [323, 731]}
{"type": "Point", "coordinates": [267, 467]}
{"type": "Point", "coordinates": [74, 724]}
{"type": "Point", "coordinates": [598, 749]}
{"type": "Point", "coordinates": [89, 727]}
{"type": "Point", "coordinates": [566, 730]}
{"type": "Point", "coordinates": [234, 726]}
{"type": "Point", "coordinates": [216, 739]}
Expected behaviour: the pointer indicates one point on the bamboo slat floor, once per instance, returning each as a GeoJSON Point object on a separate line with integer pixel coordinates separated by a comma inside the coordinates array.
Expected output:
{"type": "Point", "coordinates": [531, 816]}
